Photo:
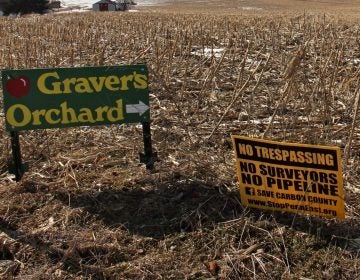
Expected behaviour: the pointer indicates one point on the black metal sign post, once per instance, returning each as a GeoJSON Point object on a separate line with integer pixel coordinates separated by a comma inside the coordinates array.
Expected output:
{"type": "Point", "coordinates": [17, 168]}
{"type": "Point", "coordinates": [148, 157]}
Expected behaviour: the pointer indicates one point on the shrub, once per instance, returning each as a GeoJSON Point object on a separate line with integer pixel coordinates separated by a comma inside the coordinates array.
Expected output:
{"type": "Point", "coordinates": [25, 7]}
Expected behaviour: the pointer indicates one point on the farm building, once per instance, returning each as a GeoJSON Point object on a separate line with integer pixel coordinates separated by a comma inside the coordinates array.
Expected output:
{"type": "Point", "coordinates": [104, 5]}
{"type": "Point", "coordinates": [108, 5]}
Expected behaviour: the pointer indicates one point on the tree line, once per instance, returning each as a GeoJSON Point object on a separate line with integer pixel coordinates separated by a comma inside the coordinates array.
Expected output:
{"type": "Point", "coordinates": [25, 7]}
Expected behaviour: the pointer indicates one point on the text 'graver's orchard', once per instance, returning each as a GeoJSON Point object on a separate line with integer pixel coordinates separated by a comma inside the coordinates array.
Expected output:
{"type": "Point", "coordinates": [63, 97]}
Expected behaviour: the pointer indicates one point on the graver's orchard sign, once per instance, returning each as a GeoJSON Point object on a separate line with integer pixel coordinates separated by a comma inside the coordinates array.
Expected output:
{"type": "Point", "coordinates": [66, 97]}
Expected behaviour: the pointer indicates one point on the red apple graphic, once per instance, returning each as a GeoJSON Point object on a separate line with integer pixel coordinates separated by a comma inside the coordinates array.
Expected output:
{"type": "Point", "coordinates": [18, 87]}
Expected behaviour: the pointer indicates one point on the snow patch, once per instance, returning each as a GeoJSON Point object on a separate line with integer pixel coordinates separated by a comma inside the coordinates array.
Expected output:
{"type": "Point", "coordinates": [356, 61]}
{"type": "Point", "coordinates": [251, 8]}
{"type": "Point", "coordinates": [70, 10]}
{"type": "Point", "coordinates": [208, 52]}
{"type": "Point", "coordinates": [79, 3]}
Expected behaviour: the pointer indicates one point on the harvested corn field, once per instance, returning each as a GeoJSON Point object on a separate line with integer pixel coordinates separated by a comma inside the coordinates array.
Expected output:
{"type": "Point", "coordinates": [87, 209]}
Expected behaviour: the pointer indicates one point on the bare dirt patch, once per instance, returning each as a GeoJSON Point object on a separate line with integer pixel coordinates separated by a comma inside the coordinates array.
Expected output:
{"type": "Point", "coordinates": [340, 8]}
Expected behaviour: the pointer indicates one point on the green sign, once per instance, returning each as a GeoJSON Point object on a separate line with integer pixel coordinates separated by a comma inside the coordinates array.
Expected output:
{"type": "Point", "coordinates": [66, 97]}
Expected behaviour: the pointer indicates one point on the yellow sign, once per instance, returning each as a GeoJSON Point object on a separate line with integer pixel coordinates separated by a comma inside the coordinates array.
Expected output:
{"type": "Point", "coordinates": [290, 177]}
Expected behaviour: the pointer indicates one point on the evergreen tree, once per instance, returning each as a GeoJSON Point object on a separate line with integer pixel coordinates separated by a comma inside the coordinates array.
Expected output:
{"type": "Point", "coordinates": [25, 7]}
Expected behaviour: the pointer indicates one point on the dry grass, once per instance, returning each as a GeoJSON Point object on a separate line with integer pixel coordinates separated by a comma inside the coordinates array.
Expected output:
{"type": "Point", "coordinates": [88, 210]}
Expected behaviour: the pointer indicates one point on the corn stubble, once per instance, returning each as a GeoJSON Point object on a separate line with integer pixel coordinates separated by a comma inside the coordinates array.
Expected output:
{"type": "Point", "coordinates": [87, 210]}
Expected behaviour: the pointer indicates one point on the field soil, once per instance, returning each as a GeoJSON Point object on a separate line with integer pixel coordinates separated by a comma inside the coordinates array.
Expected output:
{"type": "Point", "coordinates": [88, 209]}
{"type": "Point", "coordinates": [347, 7]}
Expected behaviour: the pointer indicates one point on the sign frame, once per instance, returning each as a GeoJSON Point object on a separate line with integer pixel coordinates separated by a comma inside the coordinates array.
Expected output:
{"type": "Point", "coordinates": [96, 95]}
